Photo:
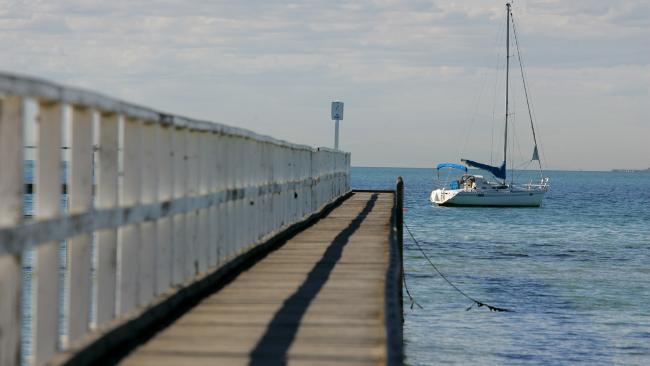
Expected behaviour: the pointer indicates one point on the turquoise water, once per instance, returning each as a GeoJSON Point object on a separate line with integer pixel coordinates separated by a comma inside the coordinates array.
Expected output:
{"type": "Point", "coordinates": [576, 272]}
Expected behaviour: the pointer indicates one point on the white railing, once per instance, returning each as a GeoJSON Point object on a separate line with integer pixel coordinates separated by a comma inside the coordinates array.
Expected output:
{"type": "Point", "coordinates": [153, 201]}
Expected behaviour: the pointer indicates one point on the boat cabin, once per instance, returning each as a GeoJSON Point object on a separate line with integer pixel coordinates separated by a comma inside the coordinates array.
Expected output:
{"type": "Point", "coordinates": [474, 181]}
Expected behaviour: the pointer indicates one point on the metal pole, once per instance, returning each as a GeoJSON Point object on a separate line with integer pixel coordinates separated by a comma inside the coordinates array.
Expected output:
{"type": "Point", "coordinates": [336, 136]}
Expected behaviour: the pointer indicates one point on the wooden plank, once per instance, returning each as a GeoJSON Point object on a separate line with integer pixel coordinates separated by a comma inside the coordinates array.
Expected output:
{"type": "Point", "coordinates": [148, 231]}
{"type": "Point", "coordinates": [189, 246]}
{"type": "Point", "coordinates": [238, 205]}
{"type": "Point", "coordinates": [326, 307]}
{"type": "Point", "coordinates": [256, 179]}
{"type": "Point", "coordinates": [165, 192]}
{"type": "Point", "coordinates": [129, 236]}
{"type": "Point", "coordinates": [238, 212]}
{"type": "Point", "coordinates": [267, 199]}
{"type": "Point", "coordinates": [80, 178]}
{"type": "Point", "coordinates": [203, 252]}
{"type": "Point", "coordinates": [235, 211]}
{"type": "Point", "coordinates": [226, 209]}
{"type": "Point", "coordinates": [180, 183]}
{"type": "Point", "coordinates": [213, 218]}
{"type": "Point", "coordinates": [11, 213]}
{"type": "Point", "coordinates": [221, 160]}
{"type": "Point", "coordinates": [45, 273]}
{"type": "Point", "coordinates": [106, 197]}
{"type": "Point", "coordinates": [250, 200]}
{"type": "Point", "coordinates": [291, 194]}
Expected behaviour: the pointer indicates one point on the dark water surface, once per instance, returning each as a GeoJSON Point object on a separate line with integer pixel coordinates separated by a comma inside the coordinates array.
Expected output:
{"type": "Point", "coordinates": [576, 272]}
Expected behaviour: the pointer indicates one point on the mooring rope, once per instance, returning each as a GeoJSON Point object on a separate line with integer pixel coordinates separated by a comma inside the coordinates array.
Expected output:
{"type": "Point", "coordinates": [474, 301]}
{"type": "Point", "coordinates": [408, 293]}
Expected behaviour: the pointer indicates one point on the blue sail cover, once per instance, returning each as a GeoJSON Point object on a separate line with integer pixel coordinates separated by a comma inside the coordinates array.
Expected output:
{"type": "Point", "coordinates": [452, 165]}
{"type": "Point", "coordinates": [499, 172]}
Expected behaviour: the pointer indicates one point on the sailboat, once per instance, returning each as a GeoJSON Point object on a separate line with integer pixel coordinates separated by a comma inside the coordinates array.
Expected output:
{"type": "Point", "coordinates": [476, 190]}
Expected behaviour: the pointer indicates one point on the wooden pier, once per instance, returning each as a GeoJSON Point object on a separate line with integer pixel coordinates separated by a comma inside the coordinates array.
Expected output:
{"type": "Point", "coordinates": [186, 241]}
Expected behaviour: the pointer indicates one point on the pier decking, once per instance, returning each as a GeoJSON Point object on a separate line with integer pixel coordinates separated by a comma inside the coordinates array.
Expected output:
{"type": "Point", "coordinates": [319, 299]}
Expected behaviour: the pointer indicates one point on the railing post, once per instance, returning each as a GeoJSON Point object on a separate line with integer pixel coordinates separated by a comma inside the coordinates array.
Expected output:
{"type": "Point", "coordinates": [205, 174]}
{"type": "Point", "coordinates": [267, 198]}
{"type": "Point", "coordinates": [244, 217]}
{"type": "Point", "coordinates": [106, 198]}
{"type": "Point", "coordinates": [399, 196]}
{"type": "Point", "coordinates": [399, 218]}
{"type": "Point", "coordinates": [179, 140]}
{"type": "Point", "coordinates": [191, 218]}
{"type": "Point", "coordinates": [45, 327]}
{"type": "Point", "coordinates": [214, 165]}
{"type": "Point", "coordinates": [239, 226]}
{"type": "Point", "coordinates": [148, 252]}
{"type": "Point", "coordinates": [11, 214]}
{"type": "Point", "coordinates": [221, 157]}
{"type": "Point", "coordinates": [165, 192]}
{"type": "Point", "coordinates": [80, 190]}
{"type": "Point", "coordinates": [129, 236]}
{"type": "Point", "coordinates": [258, 173]}
{"type": "Point", "coordinates": [228, 237]}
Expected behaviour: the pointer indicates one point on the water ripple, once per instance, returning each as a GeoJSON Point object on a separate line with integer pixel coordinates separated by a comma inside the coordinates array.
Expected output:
{"type": "Point", "coordinates": [575, 271]}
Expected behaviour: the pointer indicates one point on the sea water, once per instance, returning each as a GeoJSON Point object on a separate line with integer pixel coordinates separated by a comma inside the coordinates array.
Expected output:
{"type": "Point", "coordinates": [575, 273]}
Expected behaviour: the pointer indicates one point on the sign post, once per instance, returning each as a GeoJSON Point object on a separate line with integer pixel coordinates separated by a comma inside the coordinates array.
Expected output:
{"type": "Point", "coordinates": [337, 115]}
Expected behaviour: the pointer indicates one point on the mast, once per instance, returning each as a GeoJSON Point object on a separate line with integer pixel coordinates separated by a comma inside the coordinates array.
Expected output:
{"type": "Point", "coordinates": [505, 134]}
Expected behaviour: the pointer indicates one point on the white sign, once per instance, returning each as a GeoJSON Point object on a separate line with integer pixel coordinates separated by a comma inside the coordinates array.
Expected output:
{"type": "Point", "coordinates": [337, 111]}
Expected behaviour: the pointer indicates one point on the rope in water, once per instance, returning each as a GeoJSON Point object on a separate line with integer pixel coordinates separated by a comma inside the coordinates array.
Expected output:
{"type": "Point", "coordinates": [413, 302]}
{"type": "Point", "coordinates": [474, 301]}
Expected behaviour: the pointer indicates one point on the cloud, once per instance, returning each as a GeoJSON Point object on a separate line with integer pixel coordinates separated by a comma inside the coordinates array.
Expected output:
{"type": "Point", "coordinates": [420, 62]}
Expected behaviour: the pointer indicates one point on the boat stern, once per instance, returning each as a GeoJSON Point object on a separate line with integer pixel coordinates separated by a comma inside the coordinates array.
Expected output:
{"type": "Point", "coordinates": [441, 195]}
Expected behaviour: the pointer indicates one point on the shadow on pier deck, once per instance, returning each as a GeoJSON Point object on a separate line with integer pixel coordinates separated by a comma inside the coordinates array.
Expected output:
{"type": "Point", "coordinates": [327, 295]}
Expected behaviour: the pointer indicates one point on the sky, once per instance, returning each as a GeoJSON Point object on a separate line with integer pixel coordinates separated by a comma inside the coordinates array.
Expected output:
{"type": "Point", "coordinates": [422, 81]}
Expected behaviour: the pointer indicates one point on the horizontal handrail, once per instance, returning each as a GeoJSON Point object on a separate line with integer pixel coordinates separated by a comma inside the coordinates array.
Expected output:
{"type": "Point", "coordinates": [37, 232]}
{"type": "Point", "coordinates": [30, 87]}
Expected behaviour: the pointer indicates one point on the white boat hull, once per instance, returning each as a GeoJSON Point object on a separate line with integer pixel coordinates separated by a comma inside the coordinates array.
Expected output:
{"type": "Point", "coordinates": [485, 198]}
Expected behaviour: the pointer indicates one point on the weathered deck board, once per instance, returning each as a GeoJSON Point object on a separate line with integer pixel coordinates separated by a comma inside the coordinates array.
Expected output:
{"type": "Point", "coordinates": [319, 299]}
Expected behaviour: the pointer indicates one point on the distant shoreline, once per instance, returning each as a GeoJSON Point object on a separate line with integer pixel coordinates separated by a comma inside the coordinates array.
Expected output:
{"type": "Point", "coordinates": [631, 170]}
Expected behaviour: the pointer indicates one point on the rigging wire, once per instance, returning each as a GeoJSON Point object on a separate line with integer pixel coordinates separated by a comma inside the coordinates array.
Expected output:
{"type": "Point", "coordinates": [474, 301]}
{"type": "Point", "coordinates": [532, 111]}
{"type": "Point", "coordinates": [523, 79]}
